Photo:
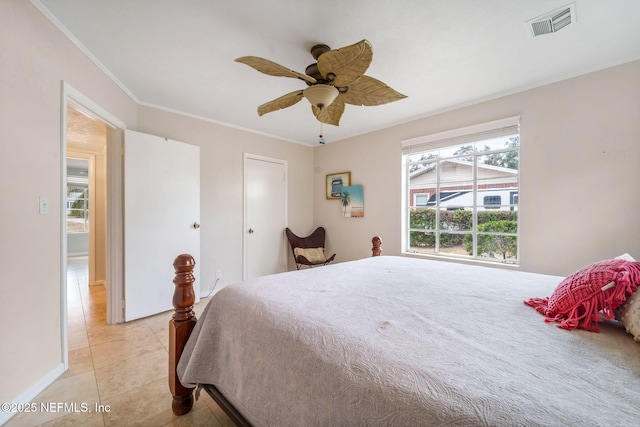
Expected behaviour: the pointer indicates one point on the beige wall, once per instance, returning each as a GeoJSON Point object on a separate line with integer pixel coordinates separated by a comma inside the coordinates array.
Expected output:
{"type": "Point", "coordinates": [580, 149]}
{"type": "Point", "coordinates": [35, 58]}
{"type": "Point", "coordinates": [221, 184]}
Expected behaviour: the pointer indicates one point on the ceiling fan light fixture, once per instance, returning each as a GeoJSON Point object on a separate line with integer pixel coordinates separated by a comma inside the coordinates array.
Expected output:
{"type": "Point", "coordinates": [339, 73]}
{"type": "Point", "coordinates": [321, 95]}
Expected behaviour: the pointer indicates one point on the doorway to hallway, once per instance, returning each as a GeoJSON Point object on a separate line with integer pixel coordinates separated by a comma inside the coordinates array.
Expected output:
{"type": "Point", "coordinates": [86, 175]}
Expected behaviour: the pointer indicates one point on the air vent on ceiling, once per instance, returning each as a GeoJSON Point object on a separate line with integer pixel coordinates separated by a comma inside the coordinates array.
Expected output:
{"type": "Point", "coordinates": [553, 21]}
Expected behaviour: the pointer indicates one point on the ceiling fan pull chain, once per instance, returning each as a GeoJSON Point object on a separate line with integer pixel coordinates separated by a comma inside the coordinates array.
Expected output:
{"type": "Point", "coordinates": [321, 141]}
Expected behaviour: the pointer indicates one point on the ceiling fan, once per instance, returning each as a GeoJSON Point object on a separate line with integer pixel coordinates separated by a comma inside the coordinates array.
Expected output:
{"type": "Point", "coordinates": [335, 80]}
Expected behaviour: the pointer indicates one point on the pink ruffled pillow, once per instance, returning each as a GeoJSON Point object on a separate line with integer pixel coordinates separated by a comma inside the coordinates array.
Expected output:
{"type": "Point", "coordinates": [597, 288]}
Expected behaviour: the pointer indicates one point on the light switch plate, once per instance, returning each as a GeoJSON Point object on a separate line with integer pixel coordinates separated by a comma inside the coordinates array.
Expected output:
{"type": "Point", "coordinates": [44, 205]}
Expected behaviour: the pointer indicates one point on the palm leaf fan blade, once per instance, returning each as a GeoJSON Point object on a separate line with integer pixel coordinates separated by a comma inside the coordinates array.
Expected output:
{"type": "Point", "coordinates": [279, 103]}
{"type": "Point", "coordinates": [347, 64]}
{"type": "Point", "coordinates": [368, 91]}
{"type": "Point", "coordinates": [273, 69]}
{"type": "Point", "coordinates": [330, 115]}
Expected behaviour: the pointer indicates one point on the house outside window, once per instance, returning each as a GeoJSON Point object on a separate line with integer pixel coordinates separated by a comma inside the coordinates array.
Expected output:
{"type": "Point", "coordinates": [471, 185]}
{"type": "Point", "coordinates": [421, 199]}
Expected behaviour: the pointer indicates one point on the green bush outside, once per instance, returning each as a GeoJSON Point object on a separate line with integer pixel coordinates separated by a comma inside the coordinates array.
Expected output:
{"type": "Point", "coordinates": [460, 220]}
{"type": "Point", "coordinates": [491, 245]}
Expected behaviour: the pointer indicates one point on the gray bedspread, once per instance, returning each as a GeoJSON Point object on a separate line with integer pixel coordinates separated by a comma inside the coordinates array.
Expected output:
{"type": "Point", "coordinates": [395, 341]}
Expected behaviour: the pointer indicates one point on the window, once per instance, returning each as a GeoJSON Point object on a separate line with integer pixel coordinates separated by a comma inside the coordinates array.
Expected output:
{"type": "Point", "coordinates": [472, 177]}
{"type": "Point", "coordinates": [492, 202]}
{"type": "Point", "coordinates": [77, 195]}
{"type": "Point", "coordinates": [421, 199]}
{"type": "Point", "coordinates": [77, 207]}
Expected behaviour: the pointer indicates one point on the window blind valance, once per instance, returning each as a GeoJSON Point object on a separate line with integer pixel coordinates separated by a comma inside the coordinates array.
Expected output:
{"type": "Point", "coordinates": [474, 133]}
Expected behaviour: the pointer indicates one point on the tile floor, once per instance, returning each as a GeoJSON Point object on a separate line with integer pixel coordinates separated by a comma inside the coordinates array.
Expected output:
{"type": "Point", "coordinates": [121, 367]}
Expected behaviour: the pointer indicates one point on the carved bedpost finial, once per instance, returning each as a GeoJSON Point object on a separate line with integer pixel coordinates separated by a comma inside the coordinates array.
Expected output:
{"type": "Point", "coordinates": [184, 296]}
{"type": "Point", "coordinates": [180, 327]}
{"type": "Point", "coordinates": [377, 246]}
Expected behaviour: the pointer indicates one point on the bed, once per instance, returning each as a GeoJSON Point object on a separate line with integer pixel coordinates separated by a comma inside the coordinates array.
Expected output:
{"type": "Point", "coordinates": [397, 341]}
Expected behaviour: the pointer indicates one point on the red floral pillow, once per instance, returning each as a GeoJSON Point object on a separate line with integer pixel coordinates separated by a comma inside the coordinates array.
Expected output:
{"type": "Point", "coordinates": [597, 288]}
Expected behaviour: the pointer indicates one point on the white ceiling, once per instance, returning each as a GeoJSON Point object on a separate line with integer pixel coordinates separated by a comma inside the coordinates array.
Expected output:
{"type": "Point", "coordinates": [179, 54]}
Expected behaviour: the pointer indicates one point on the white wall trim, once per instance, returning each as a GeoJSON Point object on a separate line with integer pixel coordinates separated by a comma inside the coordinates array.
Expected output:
{"type": "Point", "coordinates": [64, 336]}
{"type": "Point", "coordinates": [32, 392]}
{"type": "Point", "coordinates": [84, 101]}
{"type": "Point", "coordinates": [55, 21]}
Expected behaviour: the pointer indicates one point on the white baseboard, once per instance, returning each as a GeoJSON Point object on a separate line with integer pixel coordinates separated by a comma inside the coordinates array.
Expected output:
{"type": "Point", "coordinates": [32, 392]}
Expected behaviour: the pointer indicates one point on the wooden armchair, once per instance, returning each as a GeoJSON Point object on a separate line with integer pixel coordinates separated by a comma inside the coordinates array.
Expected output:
{"type": "Point", "coordinates": [309, 250]}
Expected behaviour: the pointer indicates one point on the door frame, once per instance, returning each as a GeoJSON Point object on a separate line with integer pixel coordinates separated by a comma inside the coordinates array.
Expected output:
{"type": "Point", "coordinates": [114, 262]}
{"type": "Point", "coordinates": [248, 157]}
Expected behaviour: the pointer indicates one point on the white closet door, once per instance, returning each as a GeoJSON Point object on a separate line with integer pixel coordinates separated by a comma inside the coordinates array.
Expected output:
{"type": "Point", "coordinates": [265, 216]}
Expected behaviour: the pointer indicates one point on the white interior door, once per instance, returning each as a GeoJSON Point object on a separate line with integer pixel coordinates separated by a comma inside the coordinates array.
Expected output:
{"type": "Point", "coordinates": [161, 206]}
{"type": "Point", "coordinates": [265, 216]}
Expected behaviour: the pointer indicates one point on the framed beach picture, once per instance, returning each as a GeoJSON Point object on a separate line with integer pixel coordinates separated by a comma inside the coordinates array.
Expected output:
{"type": "Point", "coordinates": [352, 201]}
{"type": "Point", "coordinates": [335, 182]}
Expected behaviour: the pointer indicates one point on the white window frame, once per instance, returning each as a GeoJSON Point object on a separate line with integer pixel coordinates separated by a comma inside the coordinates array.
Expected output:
{"type": "Point", "coordinates": [456, 137]}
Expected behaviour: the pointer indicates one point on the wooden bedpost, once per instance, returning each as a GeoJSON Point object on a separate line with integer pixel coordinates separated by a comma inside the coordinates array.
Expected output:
{"type": "Point", "coordinates": [377, 246]}
{"type": "Point", "coordinates": [180, 327]}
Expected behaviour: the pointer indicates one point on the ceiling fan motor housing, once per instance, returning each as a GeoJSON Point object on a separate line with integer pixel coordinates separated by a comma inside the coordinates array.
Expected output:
{"type": "Point", "coordinates": [313, 71]}
{"type": "Point", "coordinates": [318, 50]}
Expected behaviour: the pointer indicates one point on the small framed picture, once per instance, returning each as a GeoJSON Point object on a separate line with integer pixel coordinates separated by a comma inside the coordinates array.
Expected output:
{"type": "Point", "coordinates": [335, 182]}
{"type": "Point", "coordinates": [352, 201]}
